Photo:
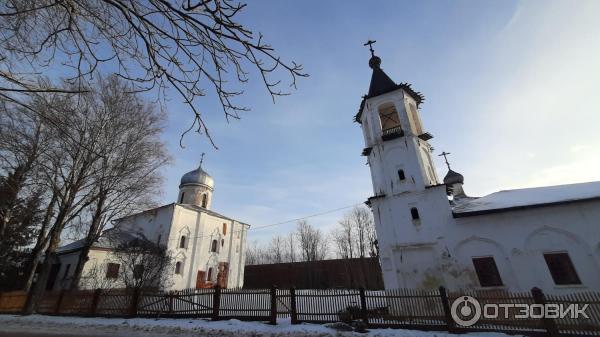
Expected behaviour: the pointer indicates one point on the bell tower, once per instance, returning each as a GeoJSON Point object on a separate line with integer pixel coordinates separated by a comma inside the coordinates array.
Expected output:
{"type": "Point", "coordinates": [410, 206]}
{"type": "Point", "coordinates": [396, 144]}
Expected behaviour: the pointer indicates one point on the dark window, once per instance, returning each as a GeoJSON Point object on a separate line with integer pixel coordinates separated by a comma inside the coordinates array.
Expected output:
{"type": "Point", "coordinates": [181, 200]}
{"type": "Point", "coordinates": [487, 271]}
{"type": "Point", "coordinates": [224, 229]}
{"type": "Point", "coordinates": [178, 268]}
{"type": "Point", "coordinates": [138, 271]}
{"type": "Point", "coordinates": [182, 242]}
{"type": "Point", "coordinates": [66, 271]}
{"type": "Point", "coordinates": [213, 247]}
{"type": "Point", "coordinates": [204, 201]}
{"type": "Point", "coordinates": [222, 242]}
{"type": "Point", "coordinates": [561, 268]}
{"type": "Point", "coordinates": [112, 270]}
{"type": "Point", "coordinates": [414, 212]}
{"type": "Point", "coordinates": [209, 276]}
{"type": "Point", "coordinates": [401, 174]}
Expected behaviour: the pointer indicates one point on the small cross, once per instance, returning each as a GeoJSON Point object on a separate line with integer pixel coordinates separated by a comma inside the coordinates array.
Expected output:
{"type": "Point", "coordinates": [201, 159]}
{"type": "Point", "coordinates": [370, 44]}
{"type": "Point", "coordinates": [445, 154]}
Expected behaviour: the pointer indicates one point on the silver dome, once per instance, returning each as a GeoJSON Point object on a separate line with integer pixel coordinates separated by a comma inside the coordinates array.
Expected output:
{"type": "Point", "coordinates": [453, 177]}
{"type": "Point", "coordinates": [197, 177]}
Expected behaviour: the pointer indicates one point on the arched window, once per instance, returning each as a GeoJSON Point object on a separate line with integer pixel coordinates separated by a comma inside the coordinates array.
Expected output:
{"type": "Point", "coordinates": [414, 212]}
{"type": "Point", "coordinates": [182, 243]}
{"type": "Point", "coordinates": [204, 200]}
{"type": "Point", "coordinates": [389, 117]}
{"type": "Point", "coordinates": [224, 229]}
{"type": "Point", "coordinates": [178, 270]}
{"type": "Point", "coordinates": [401, 174]}
{"type": "Point", "coordinates": [213, 246]}
{"type": "Point", "coordinates": [209, 275]}
{"type": "Point", "coordinates": [222, 242]}
{"type": "Point", "coordinates": [182, 195]}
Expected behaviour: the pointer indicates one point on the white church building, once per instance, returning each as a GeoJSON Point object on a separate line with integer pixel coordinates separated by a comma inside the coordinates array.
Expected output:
{"type": "Point", "coordinates": [430, 233]}
{"type": "Point", "coordinates": [207, 248]}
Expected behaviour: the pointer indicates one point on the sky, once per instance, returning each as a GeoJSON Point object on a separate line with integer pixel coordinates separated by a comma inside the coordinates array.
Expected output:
{"type": "Point", "coordinates": [510, 87]}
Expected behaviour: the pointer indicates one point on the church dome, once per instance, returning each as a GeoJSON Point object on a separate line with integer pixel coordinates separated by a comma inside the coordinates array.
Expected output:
{"type": "Point", "coordinates": [453, 177]}
{"type": "Point", "coordinates": [197, 177]}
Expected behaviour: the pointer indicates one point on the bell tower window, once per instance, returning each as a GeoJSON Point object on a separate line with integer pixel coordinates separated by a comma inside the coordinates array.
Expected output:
{"type": "Point", "coordinates": [182, 195]}
{"type": "Point", "coordinates": [390, 122]}
{"type": "Point", "coordinates": [204, 201]}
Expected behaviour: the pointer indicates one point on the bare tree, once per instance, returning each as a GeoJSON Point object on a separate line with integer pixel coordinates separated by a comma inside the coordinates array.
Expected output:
{"type": "Point", "coordinates": [344, 239]}
{"type": "Point", "coordinates": [361, 219]}
{"type": "Point", "coordinates": [69, 167]}
{"type": "Point", "coordinates": [184, 45]}
{"type": "Point", "coordinates": [290, 247]}
{"type": "Point", "coordinates": [127, 176]}
{"type": "Point", "coordinates": [143, 264]}
{"type": "Point", "coordinates": [255, 254]}
{"type": "Point", "coordinates": [276, 250]}
{"type": "Point", "coordinates": [312, 243]}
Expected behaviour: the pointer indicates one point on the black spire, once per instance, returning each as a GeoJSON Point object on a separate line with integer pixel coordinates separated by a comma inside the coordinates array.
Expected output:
{"type": "Point", "coordinates": [380, 81]}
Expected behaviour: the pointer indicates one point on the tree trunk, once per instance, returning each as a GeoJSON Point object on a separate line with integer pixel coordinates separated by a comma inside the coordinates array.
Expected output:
{"type": "Point", "coordinates": [33, 298]}
{"type": "Point", "coordinates": [91, 237]}
{"type": "Point", "coordinates": [36, 253]}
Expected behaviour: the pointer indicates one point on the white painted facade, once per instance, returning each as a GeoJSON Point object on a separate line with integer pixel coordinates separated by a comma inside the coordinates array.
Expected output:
{"type": "Point", "coordinates": [205, 244]}
{"type": "Point", "coordinates": [437, 247]}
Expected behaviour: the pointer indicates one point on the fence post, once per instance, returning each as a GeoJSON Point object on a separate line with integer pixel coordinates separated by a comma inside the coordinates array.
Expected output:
{"type": "Point", "coordinates": [170, 297]}
{"type": "Point", "coordinates": [135, 297]}
{"type": "Point", "coordinates": [273, 320]}
{"type": "Point", "coordinates": [59, 301]}
{"type": "Point", "coordinates": [363, 305]}
{"type": "Point", "coordinates": [293, 310]}
{"type": "Point", "coordinates": [447, 312]}
{"type": "Point", "coordinates": [95, 301]}
{"type": "Point", "coordinates": [216, 303]}
{"type": "Point", "coordinates": [549, 324]}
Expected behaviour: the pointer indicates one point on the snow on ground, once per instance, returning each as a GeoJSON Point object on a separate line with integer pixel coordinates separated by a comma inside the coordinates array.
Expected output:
{"type": "Point", "coordinates": [145, 327]}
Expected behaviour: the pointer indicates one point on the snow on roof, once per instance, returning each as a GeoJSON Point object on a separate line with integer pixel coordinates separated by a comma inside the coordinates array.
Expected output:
{"type": "Point", "coordinates": [109, 239]}
{"type": "Point", "coordinates": [528, 197]}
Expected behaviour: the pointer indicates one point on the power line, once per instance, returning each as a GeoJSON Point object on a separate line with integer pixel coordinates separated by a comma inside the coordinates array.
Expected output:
{"type": "Point", "coordinates": [282, 222]}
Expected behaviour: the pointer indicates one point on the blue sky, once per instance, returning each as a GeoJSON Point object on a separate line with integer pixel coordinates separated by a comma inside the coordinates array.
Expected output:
{"type": "Point", "coordinates": [510, 87]}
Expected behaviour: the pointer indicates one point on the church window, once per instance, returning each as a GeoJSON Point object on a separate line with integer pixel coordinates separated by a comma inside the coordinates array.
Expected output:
{"type": "Point", "coordinates": [204, 201]}
{"type": "Point", "coordinates": [401, 174]}
{"type": "Point", "coordinates": [213, 247]}
{"type": "Point", "coordinates": [182, 243]}
{"type": "Point", "coordinates": [414, 213]}
{"type": "Point", "coordinates": [178, 267]}
{"type": "Point", "coordinates": [222, 242]}
{"type": "Point", "coordinates": [389, 117]}
{"type": "Point", "coordinates": [224, 229]}
{"type": "Point", "coordinates": [209, 275]}
{"type": "Point", "coordinates": [182, 195]}
{"type": "Point", "coordinates": [112, 270]}
{"type": "Point", "coordinates": [487, 271]}
{"type": "Point", "coordinates": [138, 271]}
{"type": "Point", "coordinates": [561, 268]}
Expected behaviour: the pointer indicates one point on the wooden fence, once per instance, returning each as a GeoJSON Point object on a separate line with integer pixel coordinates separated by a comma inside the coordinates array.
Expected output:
{"type": "Point", "coordinates": [401, 308]}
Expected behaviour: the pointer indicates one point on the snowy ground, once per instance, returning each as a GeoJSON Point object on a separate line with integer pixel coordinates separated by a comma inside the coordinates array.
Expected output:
{"type": "Point", "coordinates": [140, 327]}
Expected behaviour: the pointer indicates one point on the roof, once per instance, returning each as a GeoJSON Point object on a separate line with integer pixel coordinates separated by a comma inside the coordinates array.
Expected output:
{"type": "Point", "coordinates": [209, 212]}
{"type": "Point", "coordinates": [111, 238]}
{"type": "Point", "coordinates": [510, 200]}
{"type": "Point", "coordinates": [381, 83]}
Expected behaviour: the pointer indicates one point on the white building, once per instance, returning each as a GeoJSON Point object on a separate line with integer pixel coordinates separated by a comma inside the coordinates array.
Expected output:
{"type": "Point", "coordinates": [430, 233]}
{"type": "Point", "coordinates": [207, 248]}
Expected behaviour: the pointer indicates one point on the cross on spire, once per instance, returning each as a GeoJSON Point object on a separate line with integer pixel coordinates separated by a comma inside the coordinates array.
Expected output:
{"type": "Point", "coordinates": [370, 44]}
{"type": "Point", "coordinates": [445, 155]}
{"type": "Point", "coordinates": [201, 159]}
